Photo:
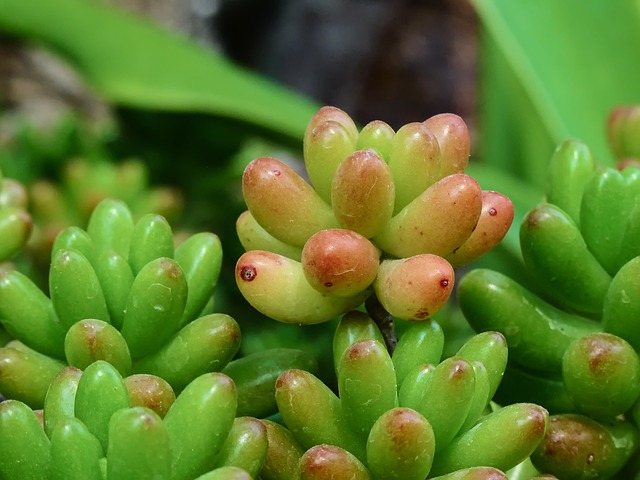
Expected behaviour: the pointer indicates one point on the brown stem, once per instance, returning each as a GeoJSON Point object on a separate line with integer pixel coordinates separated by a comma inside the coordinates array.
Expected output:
{"type": "Point", "coordinates": [384, 321]}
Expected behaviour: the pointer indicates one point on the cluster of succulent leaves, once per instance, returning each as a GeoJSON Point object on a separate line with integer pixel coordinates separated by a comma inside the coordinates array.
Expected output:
{"type": "Point", "coordinates": [127, 326]}
{"type": "Point", "coordinates": [573, 334]}
{"type": "Point", "coordinates": [118, 291]}
{"type": "Point", "coordinates": [387, 213]}
{"type": "Point", "coordinates": [119, 357]}
{"type": "Point", "coordinates": [97, 425]}
{"type": "Point", "coordinates": [516, 49]}
{"type": "Point", "coordinates": [409, 415]}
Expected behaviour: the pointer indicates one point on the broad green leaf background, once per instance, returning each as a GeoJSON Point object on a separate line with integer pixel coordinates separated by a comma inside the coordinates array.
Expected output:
{"type": "Point", "coordinates": [131, 62]}
{"type": "Point", "coordinates": [553, 69]}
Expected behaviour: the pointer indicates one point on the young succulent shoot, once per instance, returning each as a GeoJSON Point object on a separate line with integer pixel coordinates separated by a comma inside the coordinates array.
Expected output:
{"type": "Point", "coordinates": [575, 343]}
{"type": "Point", "coordinates": [406, 415]}
{"type": "Point", "coordinates": [98, 425]}
{"type": "Point", "coordinates": [386, 214]}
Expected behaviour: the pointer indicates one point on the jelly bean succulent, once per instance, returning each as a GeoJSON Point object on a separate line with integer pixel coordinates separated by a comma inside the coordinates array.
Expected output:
{"type": "Point", "coordinates": [387, 215]}
{"type": "Point", "coordinates": [118, 291]}
{"type": "Point", "coordinates": [97, 425]}
{"type": "Point", "coordinates": [573, 334]}
{"type": "Point", "coordinates": [410, 415]}
{"type": "Point", "coordinates": [15, 221]}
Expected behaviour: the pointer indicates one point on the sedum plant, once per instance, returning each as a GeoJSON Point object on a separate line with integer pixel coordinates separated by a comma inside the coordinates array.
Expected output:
{"type": "Point", "coordinates": [95, 425]}
{"type": "Point", "coordinates": [387, 216]}
{"type": "Point", "coordinates": [575, 341]}
{"type": "Point", "coordinates": [386, 219]}
{"type": "Point", "coordinates": [409, 415]}
{"type": "Point", "coordinates": [118, 291]}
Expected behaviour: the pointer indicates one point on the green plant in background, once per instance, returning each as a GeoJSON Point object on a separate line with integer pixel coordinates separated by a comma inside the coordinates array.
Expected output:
{"type": "Point", "coordinates": [96, 425]}
{"type": "Point", "coordinates": [574, 343]}
{"type": "Point", "coordinates": [529, 101]}
{"type": "Point", "coordinates": [29, 151]}
{"type": "Point", "coordinates": [85, 174]}
{"type": "Point", "coordinates": [83, 184]}
{"type": "Point", "coordinates": [198, 80]}
{"type": "Point", "coordinates": [15, 221]}
{"type": "Point", "coordinates": [387, 218]}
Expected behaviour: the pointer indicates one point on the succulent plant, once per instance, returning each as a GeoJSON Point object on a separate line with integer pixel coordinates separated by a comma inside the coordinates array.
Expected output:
{"type": "Point", "coordinates": [573, 335]}
{"type": "Point", "coordinates": [409, 415]}
{"type": "Point", "coordinates": [95, 425]}
{"type": "Point", "coordinates": [119, 292]}
{"type": "Point", "coordinates": [387, 214]}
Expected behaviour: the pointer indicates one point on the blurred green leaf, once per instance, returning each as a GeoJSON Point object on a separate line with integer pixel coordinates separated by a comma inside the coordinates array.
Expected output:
{"type": "Point", "coordinates": [553, 69]}
{"type": "Point", "coordinates": [132, 62]}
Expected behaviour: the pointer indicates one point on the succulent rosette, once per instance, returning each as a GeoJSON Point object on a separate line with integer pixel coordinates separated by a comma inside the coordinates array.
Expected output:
{"type": "Point", "coordinates": [95, 424]}
{"type": "Point", "coordinates": [573, 332]}
{"type": "Point", "coordinates": [407, 415]}
{"type": "Point", "coordinates": [386, 213]}
{"type": "Point", "coordinates": [119, 291]}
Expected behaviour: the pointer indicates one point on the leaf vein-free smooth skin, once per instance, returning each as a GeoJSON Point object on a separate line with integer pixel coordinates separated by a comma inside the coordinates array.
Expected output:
{"type": "Point", "coordinates": [556, 254]}
{"type": "Point", "coordinates": [198, 424]}
{"type": "Point", "coordinates": [501, 440]}
{"type": "Point", "coordinates": [276, 286]}
{"type": "Point", "coordinates": [28, 314]}
{"type": "Point", "coordinates": [92, 406]}
{"type": "Point", "coordinates": [438, 221]}
{"type": "Point", "coordinates": [283, 203]}
{"type": "Point", "coordinates": [537, 332]}
{"type": "Point", "coordinates": [24, 447]}
{"type": "Point", "coordinates": [75, 289]}
{"type": "Point", "coordinates": [156, 303]}
{"type": "Point", "coordinates": [139, 446]}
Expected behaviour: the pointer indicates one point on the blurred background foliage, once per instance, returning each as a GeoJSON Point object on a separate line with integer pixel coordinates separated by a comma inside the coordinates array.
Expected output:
{"type": "Point", "coordinates": [196, 89]}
